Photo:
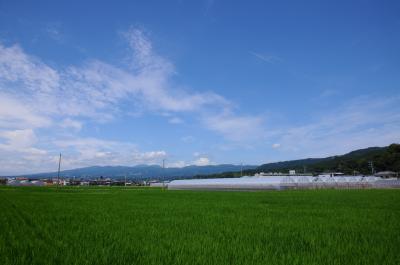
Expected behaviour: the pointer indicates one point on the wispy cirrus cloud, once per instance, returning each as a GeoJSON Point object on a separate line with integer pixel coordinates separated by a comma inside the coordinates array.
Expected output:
{"type": "Point", "coordinates": [266, 57]}
{"type": "Point", "coordinates": [96, 89]}
{"type": "Point", "coordinates": [93, 151]}
{"type": "Point", "coordinates": [45, 108]}
{"type": "Point", "coordinates": [53, 30]}
{"type": "Point", "coordinates": [36, 96]}
{"type": "Point", "coordinates": [70, 123]}
{"type": "Point", "coordinates": [353, 124]}
{"type": "Point", "coordinates": [236, 128]}
{"type": "Point", "coordinates": [19, 70]}
{"type": "Point", "coordinates": [16, 114]}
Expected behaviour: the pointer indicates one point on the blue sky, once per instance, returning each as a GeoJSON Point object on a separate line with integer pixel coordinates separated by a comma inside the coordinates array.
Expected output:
{"type": "Point", "coordinates": [195, 82]}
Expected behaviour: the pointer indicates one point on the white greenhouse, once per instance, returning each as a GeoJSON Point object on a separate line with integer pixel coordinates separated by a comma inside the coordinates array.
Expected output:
{"type": "Point", "coordinates": [282, 182]}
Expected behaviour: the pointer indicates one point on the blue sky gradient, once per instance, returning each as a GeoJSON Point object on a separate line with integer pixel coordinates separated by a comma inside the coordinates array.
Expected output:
{"type": "Point", "coordinates": [195, 82]}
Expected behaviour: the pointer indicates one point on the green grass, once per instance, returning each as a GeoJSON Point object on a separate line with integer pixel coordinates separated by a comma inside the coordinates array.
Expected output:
{"type": "Point", "coordinates": [153, 226]}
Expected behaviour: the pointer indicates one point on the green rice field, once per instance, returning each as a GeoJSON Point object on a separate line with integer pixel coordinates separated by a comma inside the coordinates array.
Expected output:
{"type": "Point", "coordinates": [110, 225]}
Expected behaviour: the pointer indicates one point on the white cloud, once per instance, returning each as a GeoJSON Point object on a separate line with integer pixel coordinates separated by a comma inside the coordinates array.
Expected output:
{"type": "Point", "coordinates": [70, 123]}
{"type": "Point", "coordinates": [153, 74]}
{"type": "Point", "coordinates": [358, 123]}
{"type": "Point", "coordinates": [34, 95]}
{"type": "Point", "coordinates": [20, 154]}
{"type": "Point", "coordinates": [97, 89]}
{"type": "Point", "coordinates": [143, 58]}
{"type": "Point", "coordinates": [16, 114]}
{"type": "Point", "coordinates": [276, 145]}
{"type": "Point", "coordinates": [17, 67]}
{"type": "Point", "coordinates": [153, 156]}
{"type": "Point", "coordinates": [236, 128]}
{"type": "Point", "coordinates": [202, 161]}
{"type": "Point", "coordinates": [178, 163]}
{"type": "Point", "coordinates": [19, 138]}
{"type": "Point", "coordinates": [36, 99]}
{"type": "Point", "coordinates": [17, 150]}
{"type": "Point", "coordinates": [92, 151]}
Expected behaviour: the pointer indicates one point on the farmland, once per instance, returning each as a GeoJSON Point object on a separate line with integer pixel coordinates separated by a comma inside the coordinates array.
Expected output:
{"type": "Point", "coordinates": [103, 225]}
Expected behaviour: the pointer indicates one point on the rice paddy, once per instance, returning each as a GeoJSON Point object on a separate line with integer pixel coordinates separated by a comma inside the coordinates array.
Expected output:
{"type": "Point", "coordinates": [40, 225]}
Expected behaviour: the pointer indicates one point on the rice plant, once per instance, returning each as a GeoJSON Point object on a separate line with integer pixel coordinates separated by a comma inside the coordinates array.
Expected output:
{"type": "Point", "coordinates": [153, 226]}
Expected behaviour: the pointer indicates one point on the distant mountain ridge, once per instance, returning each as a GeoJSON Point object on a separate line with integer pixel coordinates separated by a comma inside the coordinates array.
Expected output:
{"type": "Point", "coordinates": [357, 161]}
{"type": "Point", "coordinates": [142, 171]}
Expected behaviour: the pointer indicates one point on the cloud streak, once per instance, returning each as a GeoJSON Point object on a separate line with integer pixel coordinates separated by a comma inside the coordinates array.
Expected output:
{"type": "Point", "coordinates": [266, 58]}
{"type": "Point", "coordinates": [357, 123]}
{"type": "Point", "coordinates": [36, 97]}
{"type": "Point", "coordinates": [44, 109]}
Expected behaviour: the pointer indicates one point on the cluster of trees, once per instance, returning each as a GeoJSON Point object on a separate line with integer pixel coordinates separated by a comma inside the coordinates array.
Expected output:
{"type": "Point", "coordinates": [385, 158]}
{"type": "Point", "coordinates": [382, 158]}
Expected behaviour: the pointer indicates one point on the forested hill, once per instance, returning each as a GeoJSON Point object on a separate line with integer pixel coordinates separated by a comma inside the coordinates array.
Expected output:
{"type": "Point", "coordinates": [383, 158]}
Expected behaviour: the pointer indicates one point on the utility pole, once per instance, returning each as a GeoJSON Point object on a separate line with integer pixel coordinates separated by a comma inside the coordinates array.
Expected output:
{"type": "Point", "coordinates": [125, 180]}
{"type": "Point", "coordinates": [371, 165]}
{"type": "Point", "coordinates": [241, 169]}
{"type": "Point", "coordinates": [58, 175]}
{"type": "Point", "coordinates": [163, 167]}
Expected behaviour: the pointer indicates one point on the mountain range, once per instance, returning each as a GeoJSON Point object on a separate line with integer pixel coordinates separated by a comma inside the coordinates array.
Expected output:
{"type": "Point", "coordinates": [358, 161]}
{"type": "Point", "coordinates": [143, 171]}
